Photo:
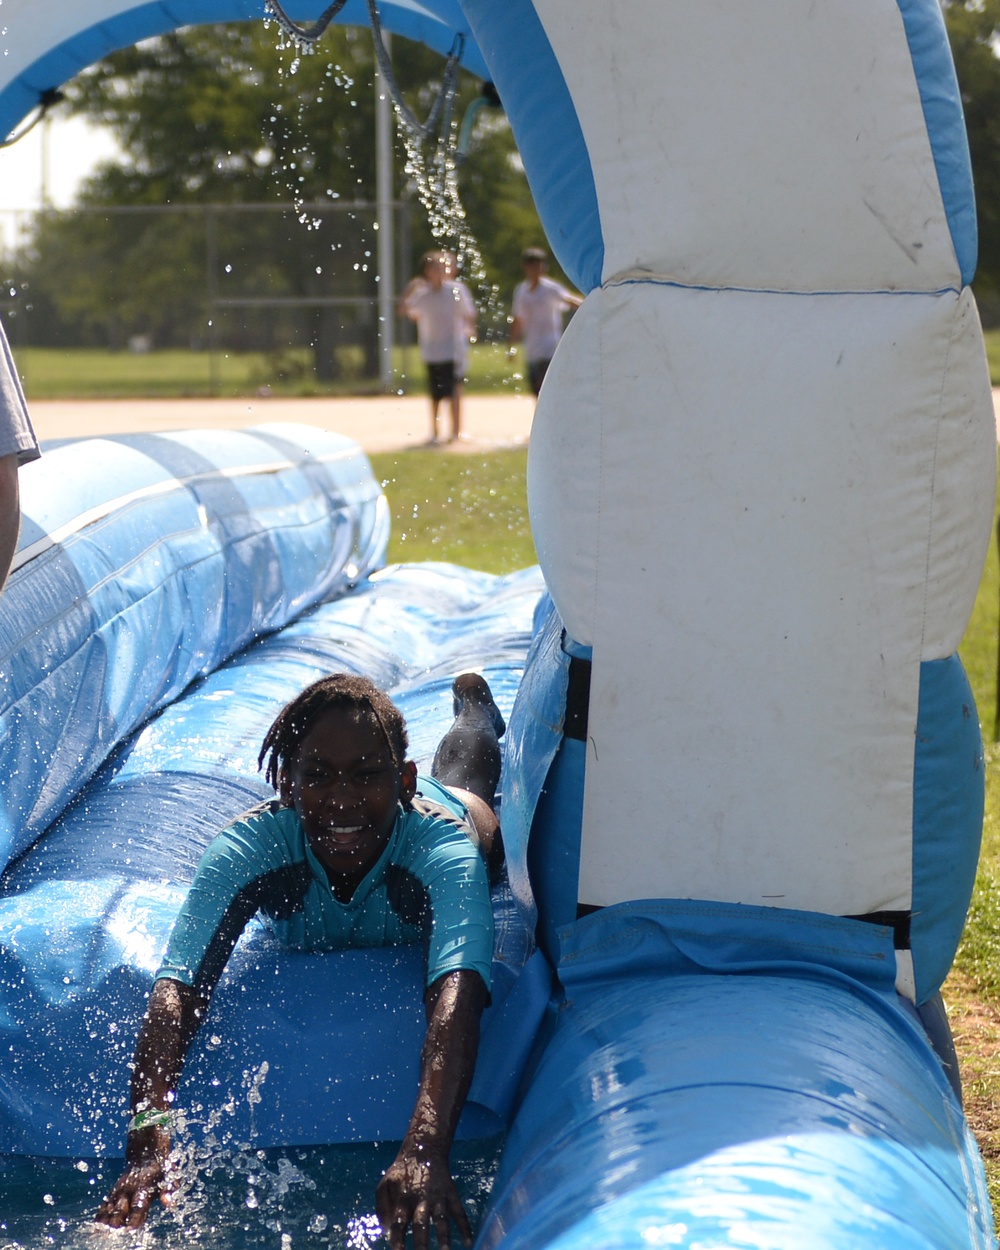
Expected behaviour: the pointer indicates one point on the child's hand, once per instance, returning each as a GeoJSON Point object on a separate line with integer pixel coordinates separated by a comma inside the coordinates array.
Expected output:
{"type": "Point", "coordinates": [127, 1206]}
{"type": "Point", "coordinates": [417, 1189]}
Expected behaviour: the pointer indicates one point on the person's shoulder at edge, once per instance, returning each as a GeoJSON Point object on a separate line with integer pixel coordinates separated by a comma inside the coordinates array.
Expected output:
{"type": "Point", "coordinates": [433, 836]}
{"type": "Point", "coordinates": [17, 436]}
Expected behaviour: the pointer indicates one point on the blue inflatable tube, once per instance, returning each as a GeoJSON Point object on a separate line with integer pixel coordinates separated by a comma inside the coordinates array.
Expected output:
{"type": "Point", "coordinates": [146, 561]}
{"type": "Point", "coordinates": [734, 1076]}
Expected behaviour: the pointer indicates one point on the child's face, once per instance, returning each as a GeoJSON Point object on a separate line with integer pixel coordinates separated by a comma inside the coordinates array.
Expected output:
{"type": "Point", "coordinates": [345, 788]}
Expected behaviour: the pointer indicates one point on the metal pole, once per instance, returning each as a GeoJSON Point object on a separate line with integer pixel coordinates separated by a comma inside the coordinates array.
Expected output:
{"type": "Point", "coordinates": [45, 197]}
{"type": "Point", "coordinates": [384, 215]}
{"type": "Point", "coordinates": [212, 292]}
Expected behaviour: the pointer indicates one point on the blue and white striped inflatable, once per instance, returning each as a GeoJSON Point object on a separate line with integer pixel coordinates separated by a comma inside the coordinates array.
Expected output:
{"type": "Point", "coordinates": [743, 780]}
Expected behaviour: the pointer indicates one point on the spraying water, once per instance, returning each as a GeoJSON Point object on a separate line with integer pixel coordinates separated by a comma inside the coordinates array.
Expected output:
{"type": "Point", "coordinates": [431, 147]}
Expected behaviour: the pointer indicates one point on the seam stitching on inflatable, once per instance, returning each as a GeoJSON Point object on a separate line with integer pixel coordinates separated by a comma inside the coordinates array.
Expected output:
{"type": "Point", "coordinates": [174, 575]}
{"type": "Point", "coordinates": [641, 277]}
{"type": "Point", "coordinates": [600, 473]}
{"type": "Point", "coordinates": [92, 515]}
{"type": "Point", "coordinates": [933, 493]}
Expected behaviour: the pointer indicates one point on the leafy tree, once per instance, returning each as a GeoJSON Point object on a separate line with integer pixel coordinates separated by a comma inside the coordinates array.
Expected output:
{"type": "Point", "coordinates": [222, 115]}
{"type": "Point", "coordinates": [974, 31]}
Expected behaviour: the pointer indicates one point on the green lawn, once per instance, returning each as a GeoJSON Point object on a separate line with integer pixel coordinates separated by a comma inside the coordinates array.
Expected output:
{"type": "Point", "coordinates": [992, 338]}
{"type": "Point", "coordinates": [83, 373]}
{"type": "Point", "coordinates": [468, 509]}
{"type": "Point", "coordinates": [980, 951]}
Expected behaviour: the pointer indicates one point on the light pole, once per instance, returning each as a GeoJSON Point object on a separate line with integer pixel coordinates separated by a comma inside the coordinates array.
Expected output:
{"type": "Point", "coordinates": [384, 250]}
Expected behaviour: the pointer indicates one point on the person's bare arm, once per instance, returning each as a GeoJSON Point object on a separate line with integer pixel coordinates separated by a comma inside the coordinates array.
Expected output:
{"type": "Point", "coordinates": [172, 1018]}
{"type": "Point", "coordinates": [10, 512]}
{"type": "Point", "coordinates": [418, 1188]}
{"type": "Point", "coordinates": [516, 331]}
{"type": "Point", "coordinates": [403, 308]}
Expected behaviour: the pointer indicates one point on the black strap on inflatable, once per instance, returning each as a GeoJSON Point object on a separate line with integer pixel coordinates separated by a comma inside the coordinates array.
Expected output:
{"type": "Point", "coordinates": [577, 700]}
{"type": "Point", "coordinates": [897, 921]}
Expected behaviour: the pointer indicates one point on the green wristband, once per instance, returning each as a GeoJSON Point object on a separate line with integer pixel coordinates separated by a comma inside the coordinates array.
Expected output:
{"type": "Point", "coordinates": [150, 1119]}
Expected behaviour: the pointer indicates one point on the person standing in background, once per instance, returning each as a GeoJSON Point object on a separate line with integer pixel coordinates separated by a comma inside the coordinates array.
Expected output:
{"type": "Point", "coordinates": [18, 445]}
{"type": "Point", "coordinates": [445, 315]}
{"type": "Point", "coordinates": [539, 305]}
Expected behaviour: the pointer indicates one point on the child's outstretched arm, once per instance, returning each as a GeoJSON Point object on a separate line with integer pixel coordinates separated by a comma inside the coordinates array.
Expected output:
{"type": "Point", "coordinates": [418, 1188]}
{"type": "Point", "coordinates": [172, 1018]}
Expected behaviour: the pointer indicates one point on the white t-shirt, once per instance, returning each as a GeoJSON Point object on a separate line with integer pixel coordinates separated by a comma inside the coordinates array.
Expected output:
{"type": "Point", "coordinates": [16, 434]}
{"type": "Point", "coordinates": [541, 314]}
{"type": "Point", "coordinates": [444, 320]}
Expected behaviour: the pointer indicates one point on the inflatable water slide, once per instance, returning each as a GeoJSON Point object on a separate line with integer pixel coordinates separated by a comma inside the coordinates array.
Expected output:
{"type": "Point", "coordinates": [743, 778]}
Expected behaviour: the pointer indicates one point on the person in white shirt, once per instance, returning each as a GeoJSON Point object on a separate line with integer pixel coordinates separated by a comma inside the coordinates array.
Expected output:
{"type": "Point", "coordinates": [17, 446]}
{"type": "Point", "coordinates": [539, 305]}
{"type": "Point", "coordinates": [445, 315]}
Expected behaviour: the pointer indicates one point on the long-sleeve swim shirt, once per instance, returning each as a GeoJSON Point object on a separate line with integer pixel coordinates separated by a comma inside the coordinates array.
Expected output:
{"type": "Point", "coordinates": [429, 885]}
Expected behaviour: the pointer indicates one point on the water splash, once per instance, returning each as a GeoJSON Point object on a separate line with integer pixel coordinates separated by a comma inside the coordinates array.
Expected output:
{"type": "Point", "coordinates": [306, 1198]}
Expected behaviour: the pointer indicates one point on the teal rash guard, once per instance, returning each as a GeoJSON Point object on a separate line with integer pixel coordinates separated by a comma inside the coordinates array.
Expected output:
{"type": "Point", "coordinates": [429, 885]}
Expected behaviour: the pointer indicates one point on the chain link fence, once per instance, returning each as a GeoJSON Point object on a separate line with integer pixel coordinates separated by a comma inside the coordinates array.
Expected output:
{"type": "Point", "coordinates": [296, 281]}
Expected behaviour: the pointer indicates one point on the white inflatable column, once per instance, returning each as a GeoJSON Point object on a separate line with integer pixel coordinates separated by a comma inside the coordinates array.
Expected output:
{"type": "Point", "coordinates": [762, 468]}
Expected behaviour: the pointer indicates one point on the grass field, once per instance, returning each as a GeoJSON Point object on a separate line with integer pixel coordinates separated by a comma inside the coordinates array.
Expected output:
{"type": "Point", "coordinates": [992, 338]}
{"type": "Point", "coordinates": [469, 509]}
{"type": "Point", "coordinates": [82, 373]}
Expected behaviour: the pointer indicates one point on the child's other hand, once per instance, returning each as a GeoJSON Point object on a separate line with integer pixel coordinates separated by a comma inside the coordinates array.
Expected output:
{"type": "Point", "coordinates": [418, 1189]}
{"type": "Point", "coordinates": [146, 1177]}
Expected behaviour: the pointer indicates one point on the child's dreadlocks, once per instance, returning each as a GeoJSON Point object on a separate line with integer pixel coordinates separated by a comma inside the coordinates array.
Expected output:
{"type": "Point", "coordinates": [339, 690]}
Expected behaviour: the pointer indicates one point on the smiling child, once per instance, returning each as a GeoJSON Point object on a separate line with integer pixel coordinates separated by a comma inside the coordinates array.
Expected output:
{"type": "Point", "coordinates": [354, 851]}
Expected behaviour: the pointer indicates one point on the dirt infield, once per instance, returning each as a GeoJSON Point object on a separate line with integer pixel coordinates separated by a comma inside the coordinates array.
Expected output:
{"type": "Point", "coordinates": [378, 423]}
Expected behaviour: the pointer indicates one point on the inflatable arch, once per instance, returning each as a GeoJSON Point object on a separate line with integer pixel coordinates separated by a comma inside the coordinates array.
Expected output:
{"type": "Point", "coordinates": [743, 783]}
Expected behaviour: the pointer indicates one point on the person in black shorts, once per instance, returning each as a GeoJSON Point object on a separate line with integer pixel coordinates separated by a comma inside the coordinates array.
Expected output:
{"type": "Point", "coordinates": [445, 315]}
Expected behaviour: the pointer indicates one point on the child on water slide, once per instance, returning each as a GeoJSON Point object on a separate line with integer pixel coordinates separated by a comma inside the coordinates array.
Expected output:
{"type": "Point", "coordinates": [332, 862]}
